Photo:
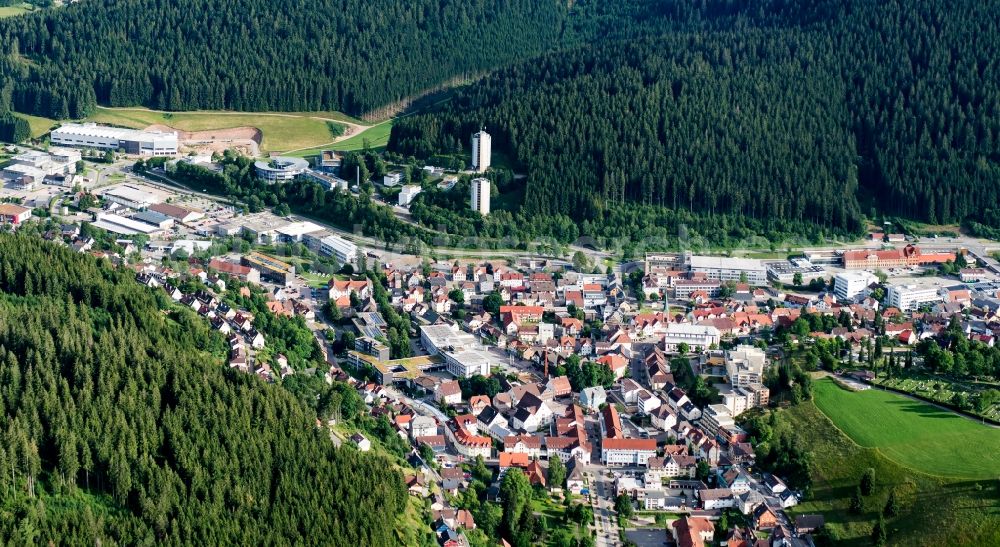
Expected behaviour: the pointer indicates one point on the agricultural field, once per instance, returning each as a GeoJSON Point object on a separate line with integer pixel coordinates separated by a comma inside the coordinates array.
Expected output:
{"type": "Point", "coordinates": [912, 433]}
{"type": "Point", "coordinates": [934, 511]}
{"type": "Point", "coordinates": [280, 131]}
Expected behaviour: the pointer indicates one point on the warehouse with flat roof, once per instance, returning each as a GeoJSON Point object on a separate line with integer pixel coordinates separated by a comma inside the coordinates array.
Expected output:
{"type": "Point", "coordinates": [132, 141]}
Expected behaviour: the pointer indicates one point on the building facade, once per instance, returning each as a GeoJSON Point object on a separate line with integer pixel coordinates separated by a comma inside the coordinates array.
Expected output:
{"type": "Point", "coordinates": [481, 151]}
{"type": "Point", "coordinates": [480, 199]}
{"type": "Point", "coordinates": [132, 141]}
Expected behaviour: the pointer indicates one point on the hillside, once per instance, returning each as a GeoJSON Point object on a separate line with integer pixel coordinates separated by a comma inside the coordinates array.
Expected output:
{"type": "Point", "coordinates": [259, 55]}
{"type": "Point", "coordinates": [877, 107]}
{"type": "Point", "coordinates": [121, 426]}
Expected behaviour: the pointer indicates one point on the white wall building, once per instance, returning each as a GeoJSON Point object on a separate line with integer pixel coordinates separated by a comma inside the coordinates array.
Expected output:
{"type": "Point", "coordinates": [911, 297]}
{"type": "Point", "coordinates": [697, 337]}
{"type": "Point", "coordinates": [341, 249]}
{"type": "Point", "coordinates": [407, 193]}
{"type": "Point", "coordinates": [745, 366]}
{"type": "Point", "coordinates": [480, 200]}
{"type": "Point", "coordinates": [463, 355]}
{"type": "Point", "coordinates": [850, 285]}
{"type": "Point", "coordinates": [629, 452]}
{"type": "Point", "coordinates": [729, 269]}
{"type": "Point", "coordinates": [132, 197]}
{"type": "Point", "coordinates": [280, 168]}
{"type": "Point", "coordinates": [481, 151]}
{"type": "Point", "coordinates": [132, 141]}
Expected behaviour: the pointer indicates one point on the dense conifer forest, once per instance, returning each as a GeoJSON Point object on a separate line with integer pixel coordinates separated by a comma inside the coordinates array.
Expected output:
{"type": "Point", "coordinates": [256, 55]}
{"type": "Point", "coordinates": [121, 425]}
{"type": "Point", "coordinates": [819, 114]}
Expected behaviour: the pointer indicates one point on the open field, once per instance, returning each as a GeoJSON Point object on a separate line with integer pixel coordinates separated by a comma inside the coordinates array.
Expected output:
{"type": "Point", "coordinates": [281, 130]}
{"type": "Point", "coordinates": [16, 9]}
{"type": "Point", "coordinates": [39, 125]}
{"type": "Point", "coordinates": [377, 137]}
{"type": "Point", "coordinates": [912, 433]}
{"type": "Point", "coordinates": [941, 389]}
{"type": "Point", "coordinates": [934, 511]}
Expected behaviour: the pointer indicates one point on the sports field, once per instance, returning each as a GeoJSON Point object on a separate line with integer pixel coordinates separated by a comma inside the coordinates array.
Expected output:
{"type": "Point", "coordinates": [281, 131]}
{"type": "Point", "coordinates": [912, 433]}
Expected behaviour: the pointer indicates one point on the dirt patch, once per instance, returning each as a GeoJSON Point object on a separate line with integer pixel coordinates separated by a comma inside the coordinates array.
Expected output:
{"type": "Point", "coordinates": [245, 140]}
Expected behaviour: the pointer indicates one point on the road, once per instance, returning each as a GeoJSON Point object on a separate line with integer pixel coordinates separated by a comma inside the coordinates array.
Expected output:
{"type": "Point", "coordinates": [605, 522]}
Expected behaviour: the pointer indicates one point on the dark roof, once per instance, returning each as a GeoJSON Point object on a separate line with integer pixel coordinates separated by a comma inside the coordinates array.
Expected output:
{"type": "Point", "coordinates": [488, 415]}
{"type": "Point", "coordinates": [809, 522]}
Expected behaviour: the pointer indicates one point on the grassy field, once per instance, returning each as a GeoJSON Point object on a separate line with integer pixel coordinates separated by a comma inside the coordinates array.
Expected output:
{"type": "Point", "coordinates": [377, 138]}
{"type": "Point", "coordinates": [912, 433]}
{"type": "Point", "coordinates": [281, 130]}
{"type": "Point", "coordinates": [940, 389]}
{"type": "Point", "coordinates": [934, 511]}
{"type": "Point", "coordinates": [16, 9]}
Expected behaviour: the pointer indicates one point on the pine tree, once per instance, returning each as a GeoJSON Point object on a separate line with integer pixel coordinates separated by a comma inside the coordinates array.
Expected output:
{"type": "Point", "coordinates": [891, 505]}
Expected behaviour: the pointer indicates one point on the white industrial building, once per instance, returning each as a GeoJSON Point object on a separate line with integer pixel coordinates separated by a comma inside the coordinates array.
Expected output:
{"type": "Point", "coordinates": [341, 249]}
{"type": "Point", "coordinates": [280, 168]}
{"type": "Point", "coordinates": [480, 200]}
{"type": "Point", "coordinates": [482, 145]}
{"type": "Point", "coordinates": [463, 355]}
{"type": "Point", "coordinates": [294, 232]}
{"type": "Point", "coordinates": [124, 226]}
{"type": "Point", "coordinates": [132, 141]}
{"type": "Point", "coordinates": [697, 337]}
{"type": "Point", "coordinates": [407, 194]}
{"type": "Point", "coordinates": [911, 297]}
{"type": "Point", "coordinates": [725, 268]}
{"type": "Point", "coordinates": [32, 166]}
{"type": "Point", "coordinates": [132, 197]}
{"type": "Point", "coordinates": [850, 285]}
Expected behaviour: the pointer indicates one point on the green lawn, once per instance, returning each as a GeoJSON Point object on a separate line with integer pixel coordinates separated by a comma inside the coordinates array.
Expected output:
{"type": "Point", "coordinates": [934, 511]}
{"type": "Point", "coordinates": [281, 130]}
{"type": "Point", "coordinates": [377, 137]}
{"type": "Point", "coordinates": [912, 433]}
{"type": "Point", "coordinates": [16, 9]}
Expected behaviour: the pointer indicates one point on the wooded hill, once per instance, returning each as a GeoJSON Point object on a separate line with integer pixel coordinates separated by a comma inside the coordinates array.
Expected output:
{"type": "Point", "coordinates": [814, 112]}
{"type": "Point", "coordinates": [257, 55]}
{"type": "Point", "coordinates": [122, 425]}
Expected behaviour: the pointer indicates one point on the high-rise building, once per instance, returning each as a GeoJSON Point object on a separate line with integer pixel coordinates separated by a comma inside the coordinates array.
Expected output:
{"type": "Point", "coordinates": [481, 150]}
{"type": "Point", "coordinates": [481, 196]}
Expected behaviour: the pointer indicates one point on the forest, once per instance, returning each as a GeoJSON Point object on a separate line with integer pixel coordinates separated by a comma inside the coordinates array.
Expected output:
{"type": "Point", "coordinates": [122, 426]}
{"type": "Point", "coordinates": [354, 56]}
{"type": "Point", "coordinates": [822, 114]}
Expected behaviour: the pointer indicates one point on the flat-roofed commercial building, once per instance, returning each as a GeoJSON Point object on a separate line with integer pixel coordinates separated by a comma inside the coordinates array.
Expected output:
{"type": "Point", "coordinates": [850, 285]}
{"type": "Point", "coordinates": [725, 268]}
{"type": "Point", "coordinates": [464, 356]}
{"type": "Point", "coordinates": [396, 370]}
{"type": "Point", "coordinates": [124, 226]}
{"type": "Point", "coordinates": [132, 141]}
{"type": "Point", "coordinates": [697, 337]}
{"type": "Point", "coordinates": [132, 197]}
{"type": "Point", "coordinates": [269, 267]}
{"type": "Point", "coordinates": [911, 297]}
